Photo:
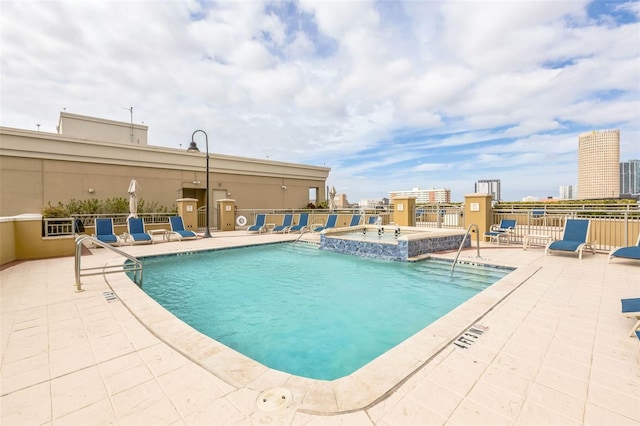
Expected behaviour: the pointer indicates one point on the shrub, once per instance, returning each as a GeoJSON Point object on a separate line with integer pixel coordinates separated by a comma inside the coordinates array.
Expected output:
{"type": "Point", "coordinates": [55, 211]}
{"type": "Point", "coordinates": [116, 205]}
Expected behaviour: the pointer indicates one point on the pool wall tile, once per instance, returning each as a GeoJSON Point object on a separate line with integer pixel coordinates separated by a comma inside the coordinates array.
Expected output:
{"type": "Point", "coordinates": [401, 249]}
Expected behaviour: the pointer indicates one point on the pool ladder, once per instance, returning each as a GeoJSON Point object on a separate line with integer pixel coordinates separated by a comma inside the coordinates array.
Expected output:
{"type": "Point", "coordinates": [473, 225]}
{"type": "Point", "coordinates": [135, 266]}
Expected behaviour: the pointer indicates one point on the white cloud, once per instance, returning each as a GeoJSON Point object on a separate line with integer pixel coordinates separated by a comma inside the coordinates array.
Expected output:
{"type": "Point", "coordinates": [391, 95]}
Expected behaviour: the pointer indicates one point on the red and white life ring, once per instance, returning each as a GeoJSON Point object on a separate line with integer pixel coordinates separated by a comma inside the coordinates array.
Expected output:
{"type": "Point", "coordinates": [241, 221]}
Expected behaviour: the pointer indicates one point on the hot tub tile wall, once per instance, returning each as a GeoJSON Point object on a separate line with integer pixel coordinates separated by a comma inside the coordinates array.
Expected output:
{"type": "Point", "coordinates": [430, 245]}
{"type": "Point", "coordinates": [401, 250]}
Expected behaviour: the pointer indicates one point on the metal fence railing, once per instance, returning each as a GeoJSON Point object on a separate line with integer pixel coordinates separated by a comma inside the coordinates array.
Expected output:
{"type": "Point", "coordinates": [316, 215]}
{"type": "Point", "coordinates": [607, 228]}
{"type": "Point", "coordinates": [56, 226]}
{"type": "Point", "coordinates": [447, 216]}
{"type": "Point", "coordinates": [610, 226]}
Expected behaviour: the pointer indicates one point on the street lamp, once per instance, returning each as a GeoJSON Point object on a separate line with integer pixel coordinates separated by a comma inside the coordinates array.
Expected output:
{"type": "Point", "coordinates": [194, 148]}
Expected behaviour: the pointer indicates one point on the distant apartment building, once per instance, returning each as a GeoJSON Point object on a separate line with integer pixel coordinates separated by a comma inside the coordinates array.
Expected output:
{"type": "Point", "coordinates": [370, 203]}
{"type": "Point", "coordinates": [599, 164]}
{"type": "Point", "coordinates": [568, 192]}
{"type": "Point", "coordinates": [424, 196]}
{"type": "Point", "coordinates": [630, 178]}
{"type": "Point", "coordinates": [490, 186]}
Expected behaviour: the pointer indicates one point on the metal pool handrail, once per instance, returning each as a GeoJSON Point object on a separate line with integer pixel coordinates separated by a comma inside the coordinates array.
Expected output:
{"type": "Point", "coordinates": [473, 225]}
{"type": "Point", "coordinates": [136, 267]}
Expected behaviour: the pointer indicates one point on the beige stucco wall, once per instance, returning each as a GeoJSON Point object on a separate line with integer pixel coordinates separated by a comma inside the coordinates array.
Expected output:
{"type": "Point", "coordinates": [477, 210]}
{"type": "Point", "coordinates": [7, 241]}
{"type": "Point", "coordinates": [100, 129]}
{"type": "Point", "coordinates": [37, 168]}
{"type": "Point", "coordinates": [21, 239]}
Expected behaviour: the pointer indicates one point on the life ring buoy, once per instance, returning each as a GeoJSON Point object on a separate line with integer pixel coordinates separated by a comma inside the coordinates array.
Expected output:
{"type": "Point", "coordinates": [241, 221]}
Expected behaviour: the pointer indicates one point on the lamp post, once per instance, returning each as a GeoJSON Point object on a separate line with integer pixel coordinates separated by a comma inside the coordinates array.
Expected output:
{"type": "Point", "coordinates": [194, 148]}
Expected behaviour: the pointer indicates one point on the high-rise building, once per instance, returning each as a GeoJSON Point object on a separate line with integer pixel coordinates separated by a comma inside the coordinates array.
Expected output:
{"type": "Point", "coordinates": [599, 164]}
{"type": "Point", "coordinates": [630, 178]}
{"type": "Point", "coordinates": [568, 192]}
{"type": "Point", "coordinates": [424, 196]}
{"type": "Point", "coordinates": [490, 186]}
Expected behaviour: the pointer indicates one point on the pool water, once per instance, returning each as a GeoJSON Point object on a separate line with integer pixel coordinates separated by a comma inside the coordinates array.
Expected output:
{"type": "Point", "coordinates": [306, 311]}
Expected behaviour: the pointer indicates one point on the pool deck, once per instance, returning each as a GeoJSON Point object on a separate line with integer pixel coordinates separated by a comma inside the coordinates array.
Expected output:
{"type": "Point", "coordinates": [548, 347]}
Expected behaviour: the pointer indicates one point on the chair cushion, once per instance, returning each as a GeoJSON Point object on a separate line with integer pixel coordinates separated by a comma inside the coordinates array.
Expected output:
{"type": "Point", "coordinates": [628, 252]}
{"type": "Point", "coordinates": [565, 245]}
{"type": "Point", "coordinates": [140, 237]}
{"type": "Point", "coordinates": [107, 238]}
{"type": "Point", "coordinates": [630, 305]}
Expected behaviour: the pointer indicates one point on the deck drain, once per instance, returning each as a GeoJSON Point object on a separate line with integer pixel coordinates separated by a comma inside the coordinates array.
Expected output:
{"type": "Point", "coordinates": [274, 399]}
{"type": "Point", "coordinates": [467, 338]}
{"type": "Point", "coordinates": [110, 296]}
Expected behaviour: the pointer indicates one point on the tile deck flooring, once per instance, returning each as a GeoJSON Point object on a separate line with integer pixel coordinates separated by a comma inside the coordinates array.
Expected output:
{"type": "Point", "coordinates": [555, 351]}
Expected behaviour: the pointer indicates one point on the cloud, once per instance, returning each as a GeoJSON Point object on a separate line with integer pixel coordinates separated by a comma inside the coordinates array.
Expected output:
{"type": "Point", "coordinates": [391, 95]}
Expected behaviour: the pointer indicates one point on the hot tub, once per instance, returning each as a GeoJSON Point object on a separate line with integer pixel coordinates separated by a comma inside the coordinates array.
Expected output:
{"type": "Point", "coordinates": [391, 242]}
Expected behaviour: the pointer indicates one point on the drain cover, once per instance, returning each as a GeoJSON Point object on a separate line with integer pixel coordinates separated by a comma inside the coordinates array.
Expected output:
{"type": "Point", "coordinates": [110, 296]}
{"type": "Point", "coordinates": [274, 399]}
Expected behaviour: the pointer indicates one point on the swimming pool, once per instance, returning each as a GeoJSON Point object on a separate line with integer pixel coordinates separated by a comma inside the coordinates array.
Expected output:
{"type": "Point", "coordinates": [304, 311]}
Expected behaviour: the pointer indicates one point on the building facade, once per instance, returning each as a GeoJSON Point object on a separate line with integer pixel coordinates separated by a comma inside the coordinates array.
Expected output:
{"type": "Point", "coordinates": [568, 192]}
{"type": "Point", "coordinates": [489, 186]}
{"type": "Point", "coordinates": [599, 164]}
{"type": "Point", "coordinates": [630, 178]}
{"type": "Point", "coordinates": [424, 196]}
{"type": "Point", "coordinates": [38, 168]}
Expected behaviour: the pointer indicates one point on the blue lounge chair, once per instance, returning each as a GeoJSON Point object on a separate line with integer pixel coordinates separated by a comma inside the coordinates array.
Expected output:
{"type": "Point", "coordinates": [303, 222]}
{"type": "Point", "coordinates": [287, 220]}
{"type": "Point", "coordinates": [537, 213]}
{"type": "Point", "coordinates": [104, 231]}
{"type": "Point", "coordinates": [630, 252]}
{"type": "Point", "coordinates": [505, 230]}
{"type": "Point", "coordinates": [177, 229]}
{"type": "Point", "coordinates": [259, 226]}
{"type": "Point", "coordinates": [375, 220]}
{"type": "Point", "coordinates": [135, 227]}
{"type": "Point", "coordinates": [355, 220]}
{"type": "Point", "coordinates": [574, 238]}
{"type": "Point", "coordinates": [331, 223]}
{"type": "Point", "coordinates": [631, 309]}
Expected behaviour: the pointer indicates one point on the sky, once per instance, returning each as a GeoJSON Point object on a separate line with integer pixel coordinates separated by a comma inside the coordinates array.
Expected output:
{"type": "Point", "coordinates": [391, 95]}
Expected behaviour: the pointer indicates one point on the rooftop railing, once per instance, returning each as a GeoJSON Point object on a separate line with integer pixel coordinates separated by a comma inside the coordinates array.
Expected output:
{"type": "Point", "coordinates": [59, 226]}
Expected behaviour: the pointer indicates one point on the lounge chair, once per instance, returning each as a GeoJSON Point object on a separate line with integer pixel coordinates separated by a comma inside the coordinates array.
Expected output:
{"type": "Point", "coordinates": [303, 222]}
{"type": "Point", "coordinates": [259, 226]}
{"type": "Point", "coordinates": [135, 227]}
{"type": "Point", "coordinates": [631, 309]}
{"type": "Point", "coordinates": [537, 214]}
{"type": "Point", "coordinates": [355, 220]}
{"type": "Point", "coordinates": [104, 231]}
{"type": "Point", "coordinates": [177, 229]}
{"type": "Point", "coordinates": [331, 223]}
{"type": "Point", "coordinates": [630, 252]}
{"type": "Point", "coordinates": [505, 230]}
{"type": "Point", "coordinates": [574, 238]}
{"type": "Point", "coordinates": [287, 220]}
{"type": "Point", "coordinates": [375, 220]}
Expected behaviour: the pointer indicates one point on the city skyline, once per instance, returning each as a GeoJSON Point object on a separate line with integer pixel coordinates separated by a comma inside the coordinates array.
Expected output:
{"type": "Point", "coordinates": [389, 94]}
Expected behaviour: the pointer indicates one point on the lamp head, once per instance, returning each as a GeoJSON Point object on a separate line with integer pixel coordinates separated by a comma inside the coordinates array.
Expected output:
{"type": "Point", "coordinates": [193, 147]}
